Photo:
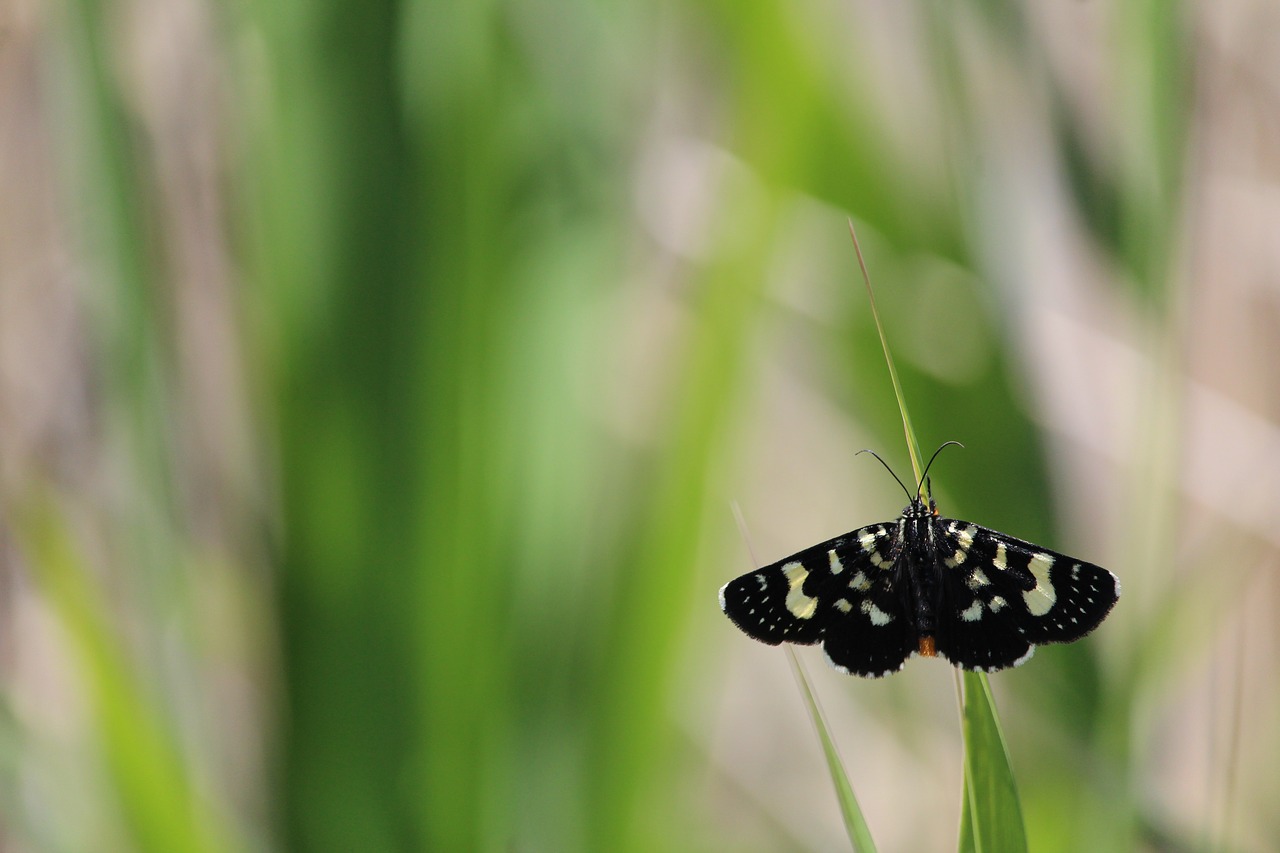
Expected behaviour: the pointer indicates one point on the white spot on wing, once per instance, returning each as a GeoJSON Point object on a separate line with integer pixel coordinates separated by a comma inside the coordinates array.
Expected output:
{"type": "Point", "coordinates": [877, 616]}
{"type": "Point", "coordinates": [837, 667]}
{"type": "Point", "coordinates": [764, 582]}
{"type": "Point", "coordinates": [836, 566]}
{"type": "Point", "coordinates": [860, 582]}
{"type": "Point", "coordinates": [997, 603]}
{"type": "Point", "coordinates": [722, 589]}
{"type": "Point", "coordinates": [1001, 560]}
{"type": "Point", "coordinates": [977, 580]}
{"type": "Point", "coordinates": [843, 606]}
{"type": "Point", "coordinates": [972, 613]}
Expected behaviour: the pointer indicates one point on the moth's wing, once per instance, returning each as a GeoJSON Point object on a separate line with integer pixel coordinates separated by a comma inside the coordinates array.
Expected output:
{"type": "Point", "coordinates": [1064, 597]}
{"type": "Point", "coordinates": [842, 592]}
{"type": "Point", "coordinates": [871, 631]}
{"type": "Point", "coordinates": [792, 600]}
{"type": "Point", "coordinates": [1001, 595]}
{"type": "Point", "coordinates": [770, 604]}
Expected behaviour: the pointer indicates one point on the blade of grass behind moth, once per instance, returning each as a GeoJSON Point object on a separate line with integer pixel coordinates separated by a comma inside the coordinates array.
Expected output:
{"type": "Point", "coordinates": [913, 447]}
{"type": "Point", "coordinates": [854, 823]}
{"type": "Point", "coordinates": [991, 812]}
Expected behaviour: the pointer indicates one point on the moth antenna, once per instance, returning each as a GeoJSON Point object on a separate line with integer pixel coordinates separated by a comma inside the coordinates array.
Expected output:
{"type": "Point", "coordinates": [924, 478]}
{"type": "Point", "coordinates": [887, 468]}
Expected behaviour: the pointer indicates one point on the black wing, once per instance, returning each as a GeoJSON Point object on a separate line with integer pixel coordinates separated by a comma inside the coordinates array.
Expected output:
{"type": "Point", "coordinates": [1000, 596]}
{"type": "Point", "coordinates": [844, 593]}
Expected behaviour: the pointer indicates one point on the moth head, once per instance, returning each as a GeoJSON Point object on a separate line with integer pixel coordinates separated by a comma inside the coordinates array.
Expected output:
{"type": "Point", "coordinates": [919, 509]}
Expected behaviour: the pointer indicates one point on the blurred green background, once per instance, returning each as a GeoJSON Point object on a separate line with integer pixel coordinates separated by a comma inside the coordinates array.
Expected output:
{"type": "Point", "coordinates": [376, 381]}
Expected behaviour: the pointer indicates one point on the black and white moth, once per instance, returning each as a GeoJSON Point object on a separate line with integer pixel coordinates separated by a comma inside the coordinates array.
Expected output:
{"type": "Point", "coordinates": [923, 585]}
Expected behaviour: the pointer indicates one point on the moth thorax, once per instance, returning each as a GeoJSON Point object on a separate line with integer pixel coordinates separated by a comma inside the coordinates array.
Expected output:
{"type": "Point", "coordinates": [919, 535]}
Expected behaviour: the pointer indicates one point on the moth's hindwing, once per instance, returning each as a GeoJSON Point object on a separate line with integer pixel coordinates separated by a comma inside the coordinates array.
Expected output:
{"type": "Point", "coordinates": [843, 593]}
{"type": "Point", "coordinates": [1000, 596]}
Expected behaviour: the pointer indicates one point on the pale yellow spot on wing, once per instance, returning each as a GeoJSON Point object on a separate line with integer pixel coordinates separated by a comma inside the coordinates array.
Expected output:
{"type": "Point", "coordinates": [1041, 599]}
{"type": "Point", "coordinates": [972, 613]}
{"type": "Point", "coordinates": [997, 603]}
{"type": "Point", "coordinates": [795, 573]}
{"type": "Point", "coordinates": [1001, 560]}
{"type": "Point", "coordinates": [978, 579]}
{"type": "Point", "coordinates": [843, 606]}
{"type": "Point", "coordinates": [800, 605]}
{"type": "Point", "coordinates": [964, 541]}
{"type": "Point", "coordinates": [836, 566]}
{"type": "Point", "coordinates": [860, 582]}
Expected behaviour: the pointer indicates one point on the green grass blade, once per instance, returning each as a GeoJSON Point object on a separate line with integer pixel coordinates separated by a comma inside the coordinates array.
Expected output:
{"type": "Point", "coordinates": [991, 813]}
{"type": "Point", "coordinates": [854, 823]}
{"type": "Point", "coordinates": [967, 843]}
{"type": "Point", "coordinates": [913, 447]}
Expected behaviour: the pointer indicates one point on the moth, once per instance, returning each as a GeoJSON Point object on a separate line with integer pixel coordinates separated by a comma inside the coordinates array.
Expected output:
{"type": "Point", "coordinates": [926, 585]}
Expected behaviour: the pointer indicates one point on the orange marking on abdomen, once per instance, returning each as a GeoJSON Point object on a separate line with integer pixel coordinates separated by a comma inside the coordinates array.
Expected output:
{"type": "Point", "coordinates": [927, 647]}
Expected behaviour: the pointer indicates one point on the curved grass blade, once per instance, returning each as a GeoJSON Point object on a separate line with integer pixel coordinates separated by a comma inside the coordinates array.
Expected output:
{"type": "Point", "coordinates": [991, 812]}
{"type": "Point", "coordinates": [854, 823]}
{"type": "Point", "coordinates": [913, 447]}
